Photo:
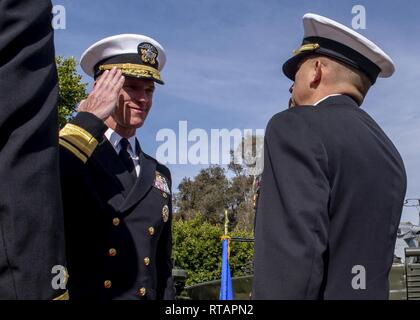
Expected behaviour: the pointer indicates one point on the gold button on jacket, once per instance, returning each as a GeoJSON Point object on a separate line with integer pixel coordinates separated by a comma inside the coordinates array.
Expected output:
{"type": "Point", "coordinates": [107, 284]}
{"type": "Point", "coordinates": [116, 221]}
{"type": "Point", "coordinates": [142, 292]}
{"type": "Point", "coordinates": [147, 261]}
{"type": "Point", "coordinates": [112, 252]}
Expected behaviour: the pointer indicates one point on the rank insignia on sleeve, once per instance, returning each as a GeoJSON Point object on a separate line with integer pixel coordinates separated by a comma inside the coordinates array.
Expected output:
{"type": "Point", "coordinates": [161, 183]}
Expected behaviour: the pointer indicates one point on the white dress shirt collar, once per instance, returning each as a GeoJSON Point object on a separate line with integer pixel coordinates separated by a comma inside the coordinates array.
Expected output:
{"type": "Point", "coordinates": [325, 98]}
{"type": "Point", "coordinates": [114, 138]}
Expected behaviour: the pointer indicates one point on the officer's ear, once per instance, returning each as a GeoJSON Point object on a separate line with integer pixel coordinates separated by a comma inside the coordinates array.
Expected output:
{"type": "Point", "coordinates": [316, 73]}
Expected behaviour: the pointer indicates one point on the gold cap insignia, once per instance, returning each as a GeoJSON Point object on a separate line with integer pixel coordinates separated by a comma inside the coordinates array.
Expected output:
{"type": "Point", "coordinates": [148, 53]}
{"type": "Point", "coordinates": [306, 48]}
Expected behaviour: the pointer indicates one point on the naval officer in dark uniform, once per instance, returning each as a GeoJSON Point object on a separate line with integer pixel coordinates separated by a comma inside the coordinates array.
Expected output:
{"type": "Point", "coordinates": [117, 199]}
{"type": "Point", "coordinates": [333, 183]}
{"type": "Point", "coordinates": [31, 217]}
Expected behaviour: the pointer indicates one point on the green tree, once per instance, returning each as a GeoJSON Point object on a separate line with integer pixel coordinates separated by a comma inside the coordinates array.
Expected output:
{"type": "Point", "coordinates": [207, 194]}
{"type": "Point", "coordinates": [244, 184]}
{"type": "Point", "coordinates": [211, 191]}
{"type": "Point", "coordinates": [71, 88]}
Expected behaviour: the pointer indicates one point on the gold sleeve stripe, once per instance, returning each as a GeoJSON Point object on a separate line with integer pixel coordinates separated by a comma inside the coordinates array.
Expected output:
{"type": "Point", "coordinates": [72, 149]}
{"type": "Point", "coordinates": [64, 296]}
{"type": "Point", "coordinates": [79, 138]}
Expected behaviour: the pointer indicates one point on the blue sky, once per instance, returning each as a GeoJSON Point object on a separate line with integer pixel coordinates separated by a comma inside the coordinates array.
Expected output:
{"type": "Point", "coordinates": [224, 62]}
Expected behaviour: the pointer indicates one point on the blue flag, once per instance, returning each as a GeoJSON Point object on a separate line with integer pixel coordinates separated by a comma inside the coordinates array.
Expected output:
{"type": "Point", "coordinates": [226, 292]}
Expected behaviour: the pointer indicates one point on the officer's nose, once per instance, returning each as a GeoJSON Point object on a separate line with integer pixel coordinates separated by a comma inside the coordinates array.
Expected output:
{"type": "Point", "coordinates": [140, 96]}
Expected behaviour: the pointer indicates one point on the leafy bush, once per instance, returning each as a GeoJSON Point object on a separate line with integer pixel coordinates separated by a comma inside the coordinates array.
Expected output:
{"type": "Point", "coordinates": [198, 249]}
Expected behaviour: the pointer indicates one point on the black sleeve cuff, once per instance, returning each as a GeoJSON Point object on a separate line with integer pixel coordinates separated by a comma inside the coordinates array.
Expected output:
{"type": "Point", "coordinates": [91, 123]}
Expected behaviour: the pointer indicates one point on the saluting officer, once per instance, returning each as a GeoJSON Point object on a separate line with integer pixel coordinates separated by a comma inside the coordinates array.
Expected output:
{"type": "Point", "coordinates": [117, 199]}
{"type": "Point", "coordinates": [333, 184]}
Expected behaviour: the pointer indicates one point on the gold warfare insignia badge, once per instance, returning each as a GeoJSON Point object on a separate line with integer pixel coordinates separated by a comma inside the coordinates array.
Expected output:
{"type": "Point", "coordinates": [148, 53]}
{"type": "Point", "coordinates": [165, 213]}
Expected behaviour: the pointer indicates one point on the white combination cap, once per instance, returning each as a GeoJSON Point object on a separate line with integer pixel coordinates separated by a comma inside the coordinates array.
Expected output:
{"type": "Point", "coordinates": [327, 37]}
{"type": "Point", "coordinates": [135, 55]}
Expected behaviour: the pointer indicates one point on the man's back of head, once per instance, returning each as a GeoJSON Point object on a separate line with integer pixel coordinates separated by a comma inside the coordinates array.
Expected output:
{"type": "Point", "coordinates": [334, 59]}
{"type": "Point", "coordinates": [319, 76]}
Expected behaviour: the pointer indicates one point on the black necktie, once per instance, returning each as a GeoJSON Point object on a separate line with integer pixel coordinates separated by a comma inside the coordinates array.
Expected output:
{"type": "Point", "coordinates": [126, 158]}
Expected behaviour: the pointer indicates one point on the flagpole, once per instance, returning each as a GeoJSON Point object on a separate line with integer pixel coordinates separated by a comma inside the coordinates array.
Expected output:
{"type": "Point", "coordinates": [226, 289]}
{"type": "Point", "coordinates": [226, 222]}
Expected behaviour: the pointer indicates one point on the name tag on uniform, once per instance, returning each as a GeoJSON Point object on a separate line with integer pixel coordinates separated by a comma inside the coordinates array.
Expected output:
{"type": "Point", "coordinates": [161, 183]}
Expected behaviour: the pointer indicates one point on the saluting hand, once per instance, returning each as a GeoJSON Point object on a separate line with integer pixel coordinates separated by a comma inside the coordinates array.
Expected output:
{"type": "Point", "coordinates": [102, 101]}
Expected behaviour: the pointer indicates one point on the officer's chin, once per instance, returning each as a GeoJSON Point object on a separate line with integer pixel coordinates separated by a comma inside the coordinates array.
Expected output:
{"type": "Point", "coordinates": [137, 119]}
{"type": "Point", "coordinates": [138, 123]}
